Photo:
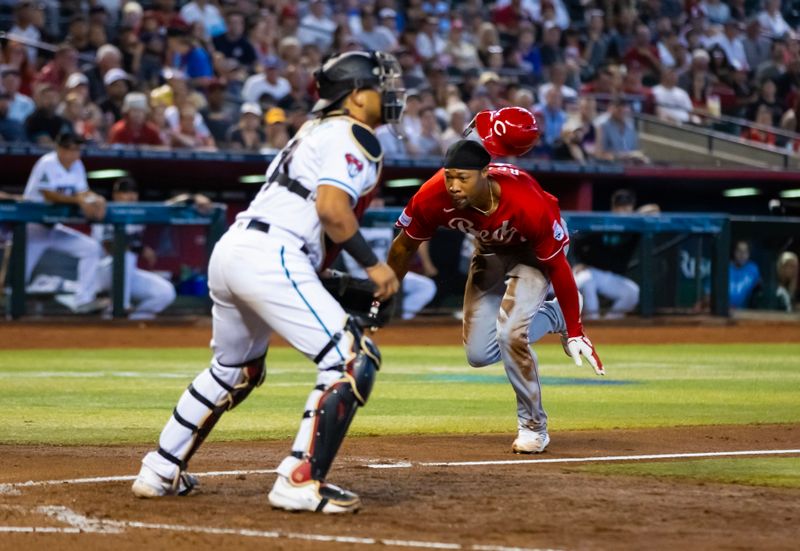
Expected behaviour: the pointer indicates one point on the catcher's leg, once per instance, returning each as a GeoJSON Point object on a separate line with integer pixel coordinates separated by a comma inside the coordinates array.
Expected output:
{"type": "Point", "coordinates": [524, 295]}
{"type": "Point", "coordinates": [239, 342]}
{"type": "Point", "coordinates": [341, 388]}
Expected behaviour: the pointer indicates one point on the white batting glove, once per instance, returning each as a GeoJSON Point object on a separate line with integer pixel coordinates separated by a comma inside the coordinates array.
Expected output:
{"type": "Point", "coordinates": [582, 346]}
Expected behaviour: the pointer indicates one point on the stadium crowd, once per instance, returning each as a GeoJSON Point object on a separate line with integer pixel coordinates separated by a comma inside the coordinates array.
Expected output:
{"type": "Point", "coordinates": [237, 74]}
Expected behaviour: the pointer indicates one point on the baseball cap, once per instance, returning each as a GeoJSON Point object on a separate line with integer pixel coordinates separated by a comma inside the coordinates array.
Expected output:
{"type": "Point", "coordinates": [700, 53]}
{"type": "Point", "coordinates": [135, 100]}
{"type": "Point", "coordinates": [8, 70]}
{"type": "Point", "coordinates": [251, 108]}
{"type": "Point", "coordinates": [115, 74]}
{"type": "Point", "coordinates": [487, 77]}
{"type": "Point", "coordinates": [275, 115]}
{"type": "Point", "coordinates": [76, 79]}
{"type": "Point", "coordinates": [386, 13]}
{"type": "Point", "coordinates": [67, 137]}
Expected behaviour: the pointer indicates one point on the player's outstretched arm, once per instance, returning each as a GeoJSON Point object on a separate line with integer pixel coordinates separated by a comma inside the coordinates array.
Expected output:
{"type": "Point", "coordinates": [564, 286]}
{"type": "Point", "coordinates": [400, 254]}
{"type": "Point", "coordinates": [341, 225]}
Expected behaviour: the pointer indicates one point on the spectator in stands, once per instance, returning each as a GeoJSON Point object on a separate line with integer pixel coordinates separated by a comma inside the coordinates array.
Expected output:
{"type": "Point", "coordinates": [206, 13]}
{"type": "Point", "coordinates": [623, 34]}
{"type": "Point", "coordinates": [392, 145]}
{"type": "Point", "coordinates": [217, 115]}
{"type": "Point", "coordinates": [554, 116]}
{"type": "Point", "coordinates": [756, 46]}
{"type": "Point", "coordinates": [716, 11]}
{"type": "Point", "coordinates": [429, 44]}
{"type": "Point", "coordinates": [772, 21]}
{"type": "Point", "coordinates": [569, 147]}
{"type": "Point", "coordinates": [187, 135]}
{"type": "Point", "coordinates": [118, 84]}
{"type": "Point", "coordinates": [427, 142]}
{"type": "Point", "coordinates": [462, 53]}
{"type": "Point", "coordinates": [277, 129]}
{"type": "Point", "coordinates": [24, 27]}
{"type": "Point", "coordinates": [373, 36]}
{"type": "Point", "coordinates": [132, 50]}
{"type": "Point", "coordinates": [78, 33]}
{"type": "Point", "coordinates": [63, 64]}
{"type": "Point", "coordinates": [558, 80]}
{"type": "Point", "coordinates": [108, 57]}
{"type": "Point", "coordinates": [744, 276]}
{"type": "Point", "coordinates": [233, 43]}
{"type": "Point", "coordinates": [80, 118]}
{"type": "Point", "coordinates": [788, 84]}
{"type": "Point", "coordinates": [11, 130]}
{"type": "Point", "coordinates": [508, 18]}
{"type": "Point", "coordinates": [316, 27]}
{"type": "Point", "coordinates": [187, 54]}
{"type": "Point", "coordinates": [458, 114]}
{"type": "Point", "coordinates": [732, 44]}
{"type": "Point", "coordinates": [644, 55]}
{"type": "Point", "coordinates": [15, 57]}
{"type": "Point", "coordinates": [530, 57]}
{"type": "Point", "coordinates": [767, 97]}
{"type": "Point", "coordinates": [134, 128]}
{"type": "Point", "coordinates": [617, 139]}
{"type": "Point", "coordinates": [587, 112]}
{"type": "Point", "coordinates": [20, 106]}
{"type": "Point", "coordinates": [791, 118]}
{"type": "Point", "coordinates": [595, 49]}
{"type": "Point", "coordinates": [673, 104]}
{"type": "Point", "coordinates": [763, 117]}
{"type": "Point", "coordinates": [487, 38]}
{"type": "Point", "coordinates": [270, 82]}
{"type": "Point", "coordinates": [247, 134]}
{"type": "Point", "coordinates": [601, 261]}
{"type": "Point", "coordinates": [775, 66]}
{"type": "Point", "coordinates": [787, 272]}
{"type": "Point", "coordinates": [43, 125]}
{"type": "Point", "coordinates": [550, 50]}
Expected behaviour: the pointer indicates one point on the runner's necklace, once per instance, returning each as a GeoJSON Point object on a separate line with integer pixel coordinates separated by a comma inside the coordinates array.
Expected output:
{"type": "Point", "coordinates": [491, 203]}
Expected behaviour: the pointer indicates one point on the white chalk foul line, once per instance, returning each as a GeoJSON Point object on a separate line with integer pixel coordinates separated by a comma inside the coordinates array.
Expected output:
{"type": "Point", "coordinates": [13, 487]}
{"type": "Point", "coordinates": [408, 465]}
{"type": "Point", "coordinates": [82, 524]}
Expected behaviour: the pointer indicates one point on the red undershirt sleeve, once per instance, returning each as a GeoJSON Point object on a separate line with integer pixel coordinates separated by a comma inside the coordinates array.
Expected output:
{"type": "Point", "coordinates": [566, 291]}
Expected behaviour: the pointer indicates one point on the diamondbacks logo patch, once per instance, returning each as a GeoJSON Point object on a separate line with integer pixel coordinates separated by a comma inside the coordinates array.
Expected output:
{"type": "Point", "coordinates": [558, 231]}
{"type": "Point", "coordinates": [354, 166]}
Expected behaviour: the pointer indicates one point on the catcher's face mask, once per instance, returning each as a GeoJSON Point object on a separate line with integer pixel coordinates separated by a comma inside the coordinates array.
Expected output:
{"type": "Point", "coordinates": [393, 93]}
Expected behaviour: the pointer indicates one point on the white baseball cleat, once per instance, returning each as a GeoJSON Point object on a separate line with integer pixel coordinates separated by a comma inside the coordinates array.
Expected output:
{"type": "Point", "coordinates": [312, 495]}
{"type": "Point", "coordinates": [150, 484]}
{"type": "Point", "coordinates": [530, 441]}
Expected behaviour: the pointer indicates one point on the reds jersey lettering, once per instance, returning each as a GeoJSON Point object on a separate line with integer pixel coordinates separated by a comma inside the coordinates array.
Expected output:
{"type": "Point", "coordinates": [503, 234]}
{"type": "Point", "coordinates": [525, 214]}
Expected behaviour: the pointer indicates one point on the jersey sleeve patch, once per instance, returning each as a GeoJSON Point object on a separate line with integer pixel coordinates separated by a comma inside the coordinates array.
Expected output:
{"type": "Point", "coordinates": [367, 141]}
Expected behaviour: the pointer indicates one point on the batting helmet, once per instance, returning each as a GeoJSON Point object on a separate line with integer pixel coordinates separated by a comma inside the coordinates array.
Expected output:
{"type": "Point", "coordinates": [510, 131]}
{"type": "Point", "coordinates": [343, 73]}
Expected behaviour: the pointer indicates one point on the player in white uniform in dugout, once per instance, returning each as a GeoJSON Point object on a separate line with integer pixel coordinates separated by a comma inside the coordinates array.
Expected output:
{"type": "Point", "coordinates": [263, 278]}
{"type": "Point", "coordinates": [59, 177]}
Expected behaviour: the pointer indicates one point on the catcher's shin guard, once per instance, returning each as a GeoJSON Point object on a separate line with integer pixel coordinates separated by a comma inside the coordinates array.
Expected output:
{"type": "Point", "coordinates": [213, 392]}
{"type": "Point", "coordinates": [332, 404]}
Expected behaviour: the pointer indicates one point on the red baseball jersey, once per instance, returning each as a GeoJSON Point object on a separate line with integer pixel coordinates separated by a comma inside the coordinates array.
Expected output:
{"type": "Point", "coordinates": [526, 214]}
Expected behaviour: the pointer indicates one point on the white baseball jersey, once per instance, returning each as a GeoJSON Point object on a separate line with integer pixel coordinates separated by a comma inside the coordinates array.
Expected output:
{"type": "Point", "coordinates": [49, 174]}
{"type": "Point", "coordinates": [334, 151]}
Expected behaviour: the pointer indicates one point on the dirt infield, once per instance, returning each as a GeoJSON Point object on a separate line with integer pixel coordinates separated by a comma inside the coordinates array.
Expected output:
{"type": "Point", "coordinates": [551, 505]}
{"type": "Point", "coordinates": [476, 507]}
{"type": "Point", "coordinates": [132, 335]}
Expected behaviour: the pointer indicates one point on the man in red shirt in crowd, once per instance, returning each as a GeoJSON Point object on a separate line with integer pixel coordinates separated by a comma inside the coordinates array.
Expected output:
{"type": "Point", "coordinates": [520, 249]}
{"type": "Point", "coordinates": [133, 128]}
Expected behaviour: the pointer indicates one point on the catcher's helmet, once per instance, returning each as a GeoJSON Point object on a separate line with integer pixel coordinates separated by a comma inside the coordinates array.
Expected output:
{"type": "Point", "coordinates": [510, 131]}
{"type": "Point", "coordinates": [343, 73]}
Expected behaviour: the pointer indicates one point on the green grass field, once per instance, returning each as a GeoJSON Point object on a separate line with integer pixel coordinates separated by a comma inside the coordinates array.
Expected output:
{"type": "Point", "coordinates": [124, 396]}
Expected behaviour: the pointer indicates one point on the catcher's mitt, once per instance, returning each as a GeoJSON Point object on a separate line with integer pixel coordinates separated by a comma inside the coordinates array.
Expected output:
{"type": "Point", "coordinates": [356, 297]}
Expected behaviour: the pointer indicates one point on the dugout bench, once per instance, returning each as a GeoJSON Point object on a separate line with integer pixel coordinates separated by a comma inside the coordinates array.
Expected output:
{"type": "Point", "coordinates": [18, 214]}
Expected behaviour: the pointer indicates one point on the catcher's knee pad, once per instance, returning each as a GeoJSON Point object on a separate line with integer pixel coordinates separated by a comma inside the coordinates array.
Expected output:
{"type": "Point", "coordinates": [337, 403]}
{"type": "Point", "coordinates": [212, 393]}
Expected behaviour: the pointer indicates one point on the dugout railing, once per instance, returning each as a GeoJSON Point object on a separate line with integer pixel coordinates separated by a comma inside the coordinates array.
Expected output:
{"type": "Point", "coordinates": [19, 214]}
